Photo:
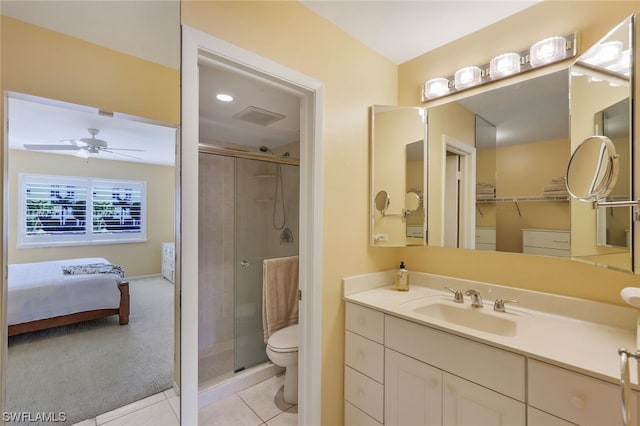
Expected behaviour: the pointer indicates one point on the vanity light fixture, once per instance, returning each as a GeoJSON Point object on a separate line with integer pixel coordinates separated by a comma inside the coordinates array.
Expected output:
{"type": "Point", "coordinates": [437, 87]}
{"type": "Point", "coordinates": [504, 65]}
{"type": "Point", "coordinates": [467, 77]}
{"type": "Point", "coordinates": [546, 51]}
{"type": "Point", "coordinates": [542, 53]}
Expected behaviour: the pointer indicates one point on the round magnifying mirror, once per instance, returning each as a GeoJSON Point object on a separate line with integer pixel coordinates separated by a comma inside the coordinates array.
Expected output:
{"type": "Point", "coordinates": [411, 201]}
{"type": "Point", "coordinates": [382, 201]}
{"type": "Point", "coordinates": [593, 169]}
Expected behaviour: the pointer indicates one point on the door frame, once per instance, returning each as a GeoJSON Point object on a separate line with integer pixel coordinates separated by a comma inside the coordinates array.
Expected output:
{"type": "Point", "coordinates": [466, 206]}
{"type": "Point", "coordinates": [194, 45]}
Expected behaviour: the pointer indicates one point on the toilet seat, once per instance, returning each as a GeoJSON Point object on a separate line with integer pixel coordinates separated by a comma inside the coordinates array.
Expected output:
{"type": "Point", "coordinates": [284, 340]}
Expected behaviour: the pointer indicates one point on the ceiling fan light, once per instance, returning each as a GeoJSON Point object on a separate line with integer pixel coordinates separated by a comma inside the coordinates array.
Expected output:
{"type": "Point", "coordinates": [82, 153]}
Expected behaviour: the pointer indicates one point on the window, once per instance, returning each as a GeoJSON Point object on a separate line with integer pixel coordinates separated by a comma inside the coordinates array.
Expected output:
{"type": "Point", "coordinates": [61, 210]}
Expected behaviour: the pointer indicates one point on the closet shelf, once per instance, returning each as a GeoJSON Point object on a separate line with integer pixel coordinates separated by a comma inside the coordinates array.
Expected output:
{"type": "Point", "coordinates": [525, 198]}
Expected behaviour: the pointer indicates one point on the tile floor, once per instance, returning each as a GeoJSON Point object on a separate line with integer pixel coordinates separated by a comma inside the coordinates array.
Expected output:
{"type": "Point", "coordinates": [262, 404]}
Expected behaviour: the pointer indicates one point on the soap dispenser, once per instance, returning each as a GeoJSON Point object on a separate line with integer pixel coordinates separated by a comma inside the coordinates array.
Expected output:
{"type": "Point", "coordinates": [402, 278]}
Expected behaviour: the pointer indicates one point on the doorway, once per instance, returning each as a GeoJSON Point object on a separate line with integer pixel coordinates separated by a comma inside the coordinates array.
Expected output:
{"type": "Point", "coordinates": [459, 193]}
{"type": "Point", "coordinates": [197, 46]}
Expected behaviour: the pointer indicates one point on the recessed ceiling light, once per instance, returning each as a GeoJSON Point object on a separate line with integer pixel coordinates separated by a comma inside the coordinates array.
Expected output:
{"type": "Point", "coordinates": [224, 97]}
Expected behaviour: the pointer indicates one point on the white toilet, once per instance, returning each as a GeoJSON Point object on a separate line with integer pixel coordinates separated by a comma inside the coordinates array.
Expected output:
{"type": "Point", "coordinates": [282, 350]}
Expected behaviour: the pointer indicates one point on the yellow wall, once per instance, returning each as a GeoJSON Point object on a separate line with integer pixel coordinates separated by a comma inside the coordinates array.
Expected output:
{"type": "Point", "coordinates": [522, 171]}
{"type": "Point", "coordinates": [592, 20]}
{"type": "Point", "coordinates": [354, 78]}
{"type": "Point", "coordinates": [136, 258]}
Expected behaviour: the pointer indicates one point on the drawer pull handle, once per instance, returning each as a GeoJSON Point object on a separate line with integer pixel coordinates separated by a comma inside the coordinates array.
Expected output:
{"type": "Point", "coordinates": [360, 355]}
{"type": "Point", "coordinates": [362, 321]}
{"type": "Point", "coordinates": [577, 401]}
{"type": "Point", "coordinates": [625, 384]}
{"type": "Point", "coordinates": [360, 392]}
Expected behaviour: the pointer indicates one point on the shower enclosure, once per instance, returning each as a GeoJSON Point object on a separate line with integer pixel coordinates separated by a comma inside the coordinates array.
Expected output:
{"type": "Point", "coordinates": [248, 212]}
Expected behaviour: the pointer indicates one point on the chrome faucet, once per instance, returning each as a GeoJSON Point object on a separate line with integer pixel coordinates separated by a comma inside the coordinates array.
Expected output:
{"type": "Point", "coordinates": [498, 305]}
{"type": "Point", "coordinates": [476, 299]}
{"type": "Point", "coordinates": [457, 295]}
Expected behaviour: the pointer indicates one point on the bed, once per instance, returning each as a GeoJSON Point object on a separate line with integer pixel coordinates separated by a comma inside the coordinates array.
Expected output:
{"type": "Point", "coordinates": [50, 294]}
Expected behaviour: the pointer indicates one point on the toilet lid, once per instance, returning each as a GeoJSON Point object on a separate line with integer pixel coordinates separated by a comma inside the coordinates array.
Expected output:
{"type": "Point", "coordinates": [285, 339]}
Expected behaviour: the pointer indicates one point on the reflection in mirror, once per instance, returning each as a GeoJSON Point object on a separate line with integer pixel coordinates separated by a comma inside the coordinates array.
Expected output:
{"type": "Point", "coordinates": [75, 76]}
{"type": "Point", "coordinates": [600, 105]}
{"type": "Point", "coordinates": [521, 138]}
{"type": "Point", "coordinates": [382, 201]}
{"type": "Point", "coordinates": [485, 235]}
{"type": "Point", "coordinates": [593, 169]}
{"type": "Point", "coordinates": [397, 169]}
{"type": "Point", "coordinates": [414, 214]}
{"type": "Point", "coordinates": [613, 223]}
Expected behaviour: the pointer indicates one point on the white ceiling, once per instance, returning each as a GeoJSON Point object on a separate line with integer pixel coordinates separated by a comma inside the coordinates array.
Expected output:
{"type": "Point", "coordinates": [401, 30]}
{"type": "Point", "coordinates": [38, 121]}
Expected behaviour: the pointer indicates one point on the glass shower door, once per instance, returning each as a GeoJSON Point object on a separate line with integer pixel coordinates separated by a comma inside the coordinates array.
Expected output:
{"type": "Point", "coordinates": [267, 197]}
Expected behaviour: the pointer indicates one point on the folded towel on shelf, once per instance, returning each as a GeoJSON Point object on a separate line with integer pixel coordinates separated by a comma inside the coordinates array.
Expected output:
{"type": "Point", "coordinates": [560, 186]}
{"type": "Point", "coordinates": [556, 188]}
{"type": "Point", "coordinates": [279, 294]}
{"type": "Point", "coordinates": [485, 188]}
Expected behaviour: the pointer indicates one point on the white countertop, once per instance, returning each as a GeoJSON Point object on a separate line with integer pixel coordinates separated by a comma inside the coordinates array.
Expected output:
{"type": "Point", "coordinates": [573, 333]}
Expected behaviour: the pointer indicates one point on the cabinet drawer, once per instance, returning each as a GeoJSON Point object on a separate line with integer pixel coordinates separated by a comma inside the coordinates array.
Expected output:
{"type": "Point", "coordinates": [364, 393]}
{"type": "Point", "coordinates": [485, 365]}
{"type": "Point", "coordinates": [485, 235]}
{"type": "Point", "coordinates": [543, 251]}
{"type": "Point", "coordinates": [364, 355]}
{"type": "Point", "coordinates": [355, 417]}
{"type": "Point", "coordinates": [573, 396]}
{"type": "Point", "coordinates": [546, 239]}
{"type": "Point", "coordinates": [365, 322]}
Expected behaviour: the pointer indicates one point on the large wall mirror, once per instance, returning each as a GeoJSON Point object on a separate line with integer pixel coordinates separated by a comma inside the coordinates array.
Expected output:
{"type": "Point", "coordinates": [398, 208]}
{"type": "Point", "coordinates": [91, 115]}
{"type": "Point", "coordinates": [498, 162]}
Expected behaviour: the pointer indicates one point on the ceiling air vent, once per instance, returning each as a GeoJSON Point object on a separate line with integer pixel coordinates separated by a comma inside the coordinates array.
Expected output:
{"type": "Point", "coordinates": [257, 115]}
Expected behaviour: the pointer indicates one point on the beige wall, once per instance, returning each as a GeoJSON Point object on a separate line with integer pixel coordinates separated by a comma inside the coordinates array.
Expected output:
{"type": "Point", "coordinates": [135, 258]}
{"type": "Point", "coordinates": [354, 78]}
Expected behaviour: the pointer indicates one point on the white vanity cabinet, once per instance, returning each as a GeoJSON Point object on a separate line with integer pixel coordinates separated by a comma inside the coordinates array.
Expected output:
{"type": "Point", "coordinates": [399, 372]}
{"type": "Point", "coordinates": [364, 366]}
{"type": "Point", "coordinates": [424, 385]}
{"type": "Point", "coordinates": [574, 397]}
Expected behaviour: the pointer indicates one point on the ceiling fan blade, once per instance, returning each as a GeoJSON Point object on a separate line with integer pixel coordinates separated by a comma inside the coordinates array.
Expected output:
{"type": "Point", "coordinates": [44, 147]}
{"type": "Point", "coordinates": [126, 149]}
{"type": "Point", "coordinates": [119, 153]}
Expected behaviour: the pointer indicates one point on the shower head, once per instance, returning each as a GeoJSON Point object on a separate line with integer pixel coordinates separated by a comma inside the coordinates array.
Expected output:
{"type": "Point", "coordinates": [265, 149]}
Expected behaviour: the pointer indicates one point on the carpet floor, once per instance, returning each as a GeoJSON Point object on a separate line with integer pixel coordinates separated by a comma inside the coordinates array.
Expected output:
{"type": "Point", "coordinates": [87, 369]}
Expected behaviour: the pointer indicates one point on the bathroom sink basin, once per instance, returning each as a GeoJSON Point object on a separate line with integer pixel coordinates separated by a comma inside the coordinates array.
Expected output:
{"type": "Point", "coordinates": [467, 316]}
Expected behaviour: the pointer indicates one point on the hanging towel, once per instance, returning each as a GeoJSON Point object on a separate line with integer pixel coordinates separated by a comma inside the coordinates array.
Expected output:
{"type": "Point", "coordinates": [279, 294]}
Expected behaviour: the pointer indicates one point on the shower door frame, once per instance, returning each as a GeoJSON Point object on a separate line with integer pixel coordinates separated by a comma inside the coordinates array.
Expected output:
{"type": "Point", "coordinates": [197, 46]}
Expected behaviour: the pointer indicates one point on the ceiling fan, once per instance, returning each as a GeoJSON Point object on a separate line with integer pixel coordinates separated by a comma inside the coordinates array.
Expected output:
{"type": "Point", "coordinates": [84, 146]}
